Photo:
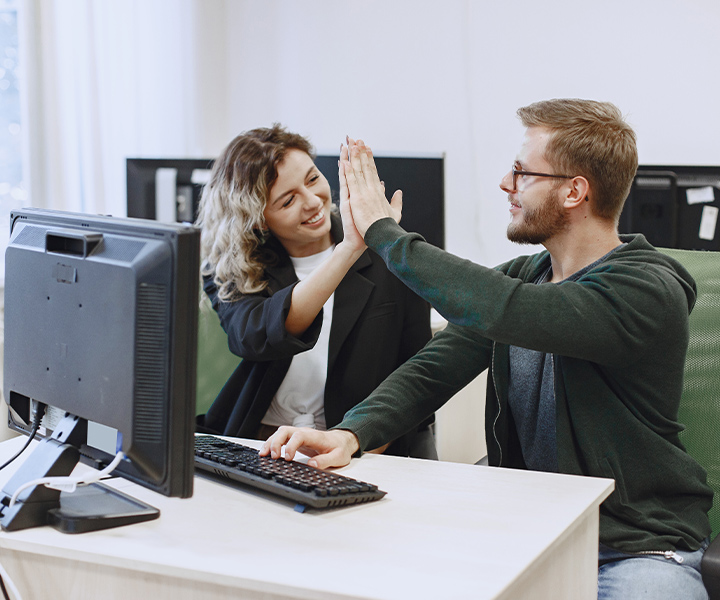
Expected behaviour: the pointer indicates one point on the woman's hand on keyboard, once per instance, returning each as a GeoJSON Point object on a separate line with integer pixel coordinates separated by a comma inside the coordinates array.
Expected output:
{"type": "Point", "coordinates": [332, 448]}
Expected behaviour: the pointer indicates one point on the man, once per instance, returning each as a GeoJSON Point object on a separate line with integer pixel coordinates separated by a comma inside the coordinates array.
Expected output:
{"type": "Point", "coordinates": [585, 345]}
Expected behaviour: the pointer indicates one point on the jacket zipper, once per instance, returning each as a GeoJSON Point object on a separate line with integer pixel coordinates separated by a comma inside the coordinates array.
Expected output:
{"type": "Point", "coordinates": [497, 396]}
{"type": "Point", "coordinates": [668, 554]}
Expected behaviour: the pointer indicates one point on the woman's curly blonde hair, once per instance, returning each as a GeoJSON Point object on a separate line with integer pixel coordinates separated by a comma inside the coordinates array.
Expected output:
{"type": "Point", "coordinates": [231, 209]}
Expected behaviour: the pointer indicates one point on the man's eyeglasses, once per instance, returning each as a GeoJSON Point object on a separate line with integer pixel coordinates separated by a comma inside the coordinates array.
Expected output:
{"type": "Point", "coordinates": [516, 172]}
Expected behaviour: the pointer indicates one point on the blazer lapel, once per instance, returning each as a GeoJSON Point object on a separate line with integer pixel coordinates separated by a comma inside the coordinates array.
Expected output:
{"type": "Point", "coordinates": [280, 277]}
{"type": "Point", "coordinates": [351, 296]}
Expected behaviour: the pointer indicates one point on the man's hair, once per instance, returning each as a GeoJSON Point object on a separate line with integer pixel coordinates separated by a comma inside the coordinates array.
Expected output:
{"type": "Point", "coordinates": [232, 204]}
{"type": "Point", "coordinates": [591, 139]}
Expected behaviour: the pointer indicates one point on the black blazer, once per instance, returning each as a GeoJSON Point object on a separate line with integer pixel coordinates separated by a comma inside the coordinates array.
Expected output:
{"type": "Point", "coordinates": [378, 323]}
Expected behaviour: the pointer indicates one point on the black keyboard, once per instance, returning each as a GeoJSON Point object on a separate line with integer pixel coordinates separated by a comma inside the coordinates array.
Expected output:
{"type": "Point", "coordinates": [305, 485]}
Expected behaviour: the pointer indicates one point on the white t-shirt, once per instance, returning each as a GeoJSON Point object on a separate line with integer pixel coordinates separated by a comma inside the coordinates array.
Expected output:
{"type": "Point", "coordinates": [300, 399]}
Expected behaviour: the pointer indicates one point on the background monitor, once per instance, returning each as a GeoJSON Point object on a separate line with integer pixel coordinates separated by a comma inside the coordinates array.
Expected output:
{"type": "Point", "coordinates": [101, 318]}
{"type": "Point", "coordinates": [422, 180]}
{"type": "Point", "coordinates": [165, 189]}
{"type": "Point", "coordinates": [674, 206]}
{"type": "Point", "coordinates": [169, 189]}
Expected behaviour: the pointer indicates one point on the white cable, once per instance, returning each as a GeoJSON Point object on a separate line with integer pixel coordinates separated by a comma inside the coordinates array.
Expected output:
{"type": "Point", "coordinates": [68, 484]}
{"type": "Point", "coordinates": [9, 583]}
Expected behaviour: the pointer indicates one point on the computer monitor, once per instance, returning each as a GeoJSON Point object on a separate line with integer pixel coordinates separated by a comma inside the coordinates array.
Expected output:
{"type": "Point", "coordinates": [674, 206]}
{"type": "Point", "coordinates": [101, 319]}
{"type": "Point", "coordinates": [165, 189]}
{"type": "Point", "coordinates": [169, 189]}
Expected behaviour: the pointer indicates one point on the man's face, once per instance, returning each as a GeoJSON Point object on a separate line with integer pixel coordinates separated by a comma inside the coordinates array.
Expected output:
{"type": "Point", "coordinates": [536, 207]}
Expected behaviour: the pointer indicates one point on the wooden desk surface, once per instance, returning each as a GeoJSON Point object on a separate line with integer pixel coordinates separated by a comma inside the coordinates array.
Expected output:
{"type": "Point", "coordinates": [445, 530]}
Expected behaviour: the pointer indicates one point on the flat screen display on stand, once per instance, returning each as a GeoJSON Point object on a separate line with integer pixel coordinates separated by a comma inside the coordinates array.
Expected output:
{"type": "Point", "coordinates": [101, 329]}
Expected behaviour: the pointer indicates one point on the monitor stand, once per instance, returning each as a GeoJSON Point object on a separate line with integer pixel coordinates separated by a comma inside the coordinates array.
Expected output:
{"type": "Point", "coordinates": [88, 508]}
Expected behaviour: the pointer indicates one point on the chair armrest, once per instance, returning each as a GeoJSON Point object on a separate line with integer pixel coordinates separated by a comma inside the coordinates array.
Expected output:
{"type": "Point", "coordinates": [711, 569]}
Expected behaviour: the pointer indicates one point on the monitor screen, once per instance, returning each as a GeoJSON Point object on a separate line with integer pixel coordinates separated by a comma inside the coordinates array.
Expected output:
{"type": "Point", "coordinates": [101, 324]}
{"type": "Point", "coordinates": [675, 206]}
{"type": "Point", "coordinates": [169, 189]}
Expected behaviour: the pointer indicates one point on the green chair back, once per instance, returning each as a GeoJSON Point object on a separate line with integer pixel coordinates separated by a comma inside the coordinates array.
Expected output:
{"type": "Point", "coordinates": [700, 405]}
{"type": "Point", "coordinates": [215, 362]}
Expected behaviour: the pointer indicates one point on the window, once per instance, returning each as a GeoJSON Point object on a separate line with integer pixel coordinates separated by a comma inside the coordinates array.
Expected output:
{"type": "Point", "coordinates": [13, 191]}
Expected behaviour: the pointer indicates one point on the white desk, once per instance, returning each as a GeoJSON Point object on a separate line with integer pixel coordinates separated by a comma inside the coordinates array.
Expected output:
{"type": "Point", "coordinates": [445, 530]}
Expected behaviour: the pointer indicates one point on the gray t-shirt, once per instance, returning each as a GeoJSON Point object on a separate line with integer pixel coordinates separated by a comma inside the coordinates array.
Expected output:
{"type": "Point", "coordinates": [531, 395]}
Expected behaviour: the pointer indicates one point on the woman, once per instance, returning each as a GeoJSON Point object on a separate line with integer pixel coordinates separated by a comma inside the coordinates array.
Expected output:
{"type": "Point", "coordinates": [318, 320]}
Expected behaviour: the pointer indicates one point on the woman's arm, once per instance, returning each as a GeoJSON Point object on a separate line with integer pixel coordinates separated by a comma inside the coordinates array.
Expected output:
{"type": "Point", "coordinates": [255, 324]}
{"type": "Point", "coordinates": [311, 293]}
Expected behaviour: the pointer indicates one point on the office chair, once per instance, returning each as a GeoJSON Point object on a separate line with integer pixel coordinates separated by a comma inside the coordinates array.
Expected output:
{"type": "Point", "coordinates": [215, 362]}
{"type": "Point", "coordinates": [700, 404]}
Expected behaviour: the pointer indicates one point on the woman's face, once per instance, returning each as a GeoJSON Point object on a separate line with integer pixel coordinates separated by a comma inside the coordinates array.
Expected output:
{"type": "Point", "coordinates": [298, 207]}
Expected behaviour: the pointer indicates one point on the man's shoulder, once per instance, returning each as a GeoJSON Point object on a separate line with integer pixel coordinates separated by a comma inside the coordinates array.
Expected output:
{"type": "Point", "coordinates": [526, 267]}
{"type": "Point", "coordinates": [638, 252]}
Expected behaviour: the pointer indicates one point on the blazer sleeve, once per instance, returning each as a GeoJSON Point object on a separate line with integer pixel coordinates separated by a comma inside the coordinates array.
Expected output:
{"type": "Point", "coordinates": [255, 324]}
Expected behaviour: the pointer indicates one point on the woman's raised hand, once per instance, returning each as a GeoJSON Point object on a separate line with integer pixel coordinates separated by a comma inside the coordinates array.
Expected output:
{"type": "Point", "coordinates": [365, 191]}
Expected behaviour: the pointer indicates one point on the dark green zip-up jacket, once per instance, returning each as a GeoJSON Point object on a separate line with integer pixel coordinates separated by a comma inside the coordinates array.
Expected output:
{"type": "Point", "coordinates": [618, 336]}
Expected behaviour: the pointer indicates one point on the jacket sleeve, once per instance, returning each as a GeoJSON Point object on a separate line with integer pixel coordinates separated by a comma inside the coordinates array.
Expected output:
{"type": "Point", "coordinates": [414, 391]}
{"type": "Point", "coordinates": [255, 324]}
{"type": "Point", "coordinates": [608, 316]}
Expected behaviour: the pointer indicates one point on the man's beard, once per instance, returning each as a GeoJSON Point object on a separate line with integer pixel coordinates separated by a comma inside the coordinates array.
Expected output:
{"type": "Point", "coordinates": [539, 224]}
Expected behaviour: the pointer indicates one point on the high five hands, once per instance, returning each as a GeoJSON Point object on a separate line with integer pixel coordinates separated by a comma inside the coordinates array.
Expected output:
{"type": "Point", "coordinates": [361, 186]}
{"type": "Point", "coordinates": [362, 202]}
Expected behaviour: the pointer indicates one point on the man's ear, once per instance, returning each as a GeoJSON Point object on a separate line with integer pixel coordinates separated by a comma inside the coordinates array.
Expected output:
{"type": "Point", "coordinates": [578, 192]}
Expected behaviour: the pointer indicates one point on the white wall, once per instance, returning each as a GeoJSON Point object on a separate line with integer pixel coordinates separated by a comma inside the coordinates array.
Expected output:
{"type": "Point", "coordinates": [428, 76]}
{"type": "Point", "coordinates": [183, 77]}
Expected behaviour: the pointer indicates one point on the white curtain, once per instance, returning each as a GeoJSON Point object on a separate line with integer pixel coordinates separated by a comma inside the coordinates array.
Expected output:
{"type": "Point", "coordinates": [107, 80]}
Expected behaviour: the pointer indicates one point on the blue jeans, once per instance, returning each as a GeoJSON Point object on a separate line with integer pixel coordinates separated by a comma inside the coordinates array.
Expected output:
{"type": "Point", "coordinates": [652, 577]}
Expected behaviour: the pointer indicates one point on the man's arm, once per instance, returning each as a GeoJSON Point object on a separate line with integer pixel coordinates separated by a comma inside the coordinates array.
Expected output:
{"type": "Point", "coordinates": [451, 360]}
{"type": "Point", "coordinates": [607, 316]}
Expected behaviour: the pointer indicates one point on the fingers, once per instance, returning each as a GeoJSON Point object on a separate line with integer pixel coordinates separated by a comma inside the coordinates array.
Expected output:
{"type": "Point", "coordinates": [345, 211]}
{"type": "Point", "coordinates": [353, 172]}
{"type": "Point", "coordinates": [355, 161]}
{"type": "Point", "coordinates": [341, 175]}
{"type": "Point", "coordinates": [334, 448]}
{"type": "Point", "coordinates": [364, 168]}
{"type": "Point", "coordinates": [305, 440]}
{"type": "Point", "coordinates": [273, 445]}
{"type": "Point", "coordinates": [300, 438]}
{"type": "Point", "coordinates": [369, 169]}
